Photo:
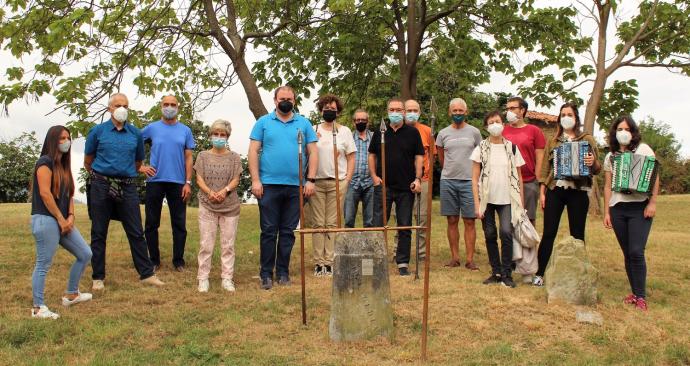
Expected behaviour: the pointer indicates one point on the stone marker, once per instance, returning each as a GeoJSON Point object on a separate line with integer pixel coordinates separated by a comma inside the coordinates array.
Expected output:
{"type": "Point", "coordinates": [589, 317]}
{"type": "Point", "coordinates": [360, 305]}
{"type": "Point", "coordinates": [570, 276]}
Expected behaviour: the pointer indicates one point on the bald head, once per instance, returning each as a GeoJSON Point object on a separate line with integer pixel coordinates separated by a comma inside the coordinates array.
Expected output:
{"type": "Point", "coordinates": [412, 111]}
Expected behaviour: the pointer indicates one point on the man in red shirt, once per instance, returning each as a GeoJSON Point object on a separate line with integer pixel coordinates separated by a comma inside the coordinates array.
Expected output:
{"type": "Point", "coordinates": [530, 140]}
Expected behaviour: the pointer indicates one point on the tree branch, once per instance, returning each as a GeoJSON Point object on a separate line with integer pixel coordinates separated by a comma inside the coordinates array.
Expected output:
{"type": "Point", "coordinates": [632, 41]}
{"type": "Point", "coordinates": [434, 17]}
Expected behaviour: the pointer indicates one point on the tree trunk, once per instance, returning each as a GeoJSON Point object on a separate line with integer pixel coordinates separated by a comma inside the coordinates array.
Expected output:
{"type": "Point", "coordinates": [256, 105]}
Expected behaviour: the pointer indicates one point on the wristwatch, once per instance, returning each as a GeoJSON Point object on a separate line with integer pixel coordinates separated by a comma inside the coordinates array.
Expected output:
{"type": "Point", "coordinates": [227, 189]}
{"type": "Point", "coordinates": [313, 180]}
{"type": "Point", "coordinates": [189, 182]}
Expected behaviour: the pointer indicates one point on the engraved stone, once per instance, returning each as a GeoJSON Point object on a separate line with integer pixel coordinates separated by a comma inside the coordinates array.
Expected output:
{"type": "Point", "coordinates": [360, 305]}
{"type": "Point", "coordinates": [570, 276]}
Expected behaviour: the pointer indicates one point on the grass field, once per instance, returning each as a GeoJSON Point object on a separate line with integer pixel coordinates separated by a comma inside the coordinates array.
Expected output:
{"type": "Point", "coordinates": [469, 323]}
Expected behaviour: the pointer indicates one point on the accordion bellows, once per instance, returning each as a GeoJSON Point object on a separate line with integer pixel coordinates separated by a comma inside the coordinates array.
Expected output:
{"type": "Point", "coordinates": [633, 172]}
{"type": "Point", "coordinates": [569, 160]}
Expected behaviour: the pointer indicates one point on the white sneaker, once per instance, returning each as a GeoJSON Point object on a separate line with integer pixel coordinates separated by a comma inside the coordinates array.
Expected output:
{"type": "Point", "coordinates": [97, 285]}
{"type": "Point", "coordinates": [228, 285]}
{"type": "Point", "coordinates": [203, 286]}
{"type": "Point", "coordinates": [538, 281]}
{"type": "Point", "coordinates": [82, 297]}
{"type": "Point", "coordinates": [527, 279]}
{"type": "Point", "coordinates": [43, 313]}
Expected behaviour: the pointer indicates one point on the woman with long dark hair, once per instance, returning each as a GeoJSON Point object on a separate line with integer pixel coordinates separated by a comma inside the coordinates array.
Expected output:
{"type": "Point", "coordinates": [557, 194]}
{"type": "Point", "coordinates": [630, 214]}
{"type": "Point", "coordinates": [52, 220]}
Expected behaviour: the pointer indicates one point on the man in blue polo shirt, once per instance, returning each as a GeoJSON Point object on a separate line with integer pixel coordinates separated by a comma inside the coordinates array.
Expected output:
{"type": "Point", "coordinates": [169, 177]}
{"type": "Point", "coordinates": [275, 181]}
{"type": "Point", "coordinates": [114, 151]}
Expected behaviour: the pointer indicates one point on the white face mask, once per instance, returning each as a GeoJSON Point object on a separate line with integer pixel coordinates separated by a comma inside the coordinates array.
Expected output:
{"type": "Point", "coordinates": [567, 122]}
{"type": "Point", "coordinates": [64, 147]}
{"type": "Point", "coordinates": [120, 114]}
{"type": "Point", "coordinates": [511, 117]}
{"type": "Point", "coordinates": [624, 137]}
{"type": "Point", "coordinates": [495, 129]}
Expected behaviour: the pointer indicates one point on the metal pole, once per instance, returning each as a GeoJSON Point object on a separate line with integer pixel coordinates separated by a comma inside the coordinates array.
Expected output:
{"type": "Point", "coordinates": [301, 226]}
{"type": "Point", "coordinates": [337, 173]}
{"type": "Point", "coordinates": [419, 214]}
{"type": "Point", "coordinates": [382, 129]}
{"type": "Point", "coordinates": [425, 307]}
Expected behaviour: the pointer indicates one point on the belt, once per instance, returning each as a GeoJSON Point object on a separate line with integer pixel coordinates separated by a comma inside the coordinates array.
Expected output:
{"type": "Point", "coordinates": [120, 180]}
{"type": "Point", "coordinates": [325, 178]}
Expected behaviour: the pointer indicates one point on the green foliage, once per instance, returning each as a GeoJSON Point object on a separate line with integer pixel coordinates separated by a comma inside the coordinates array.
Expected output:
{"type": "Point", "coordinates": [618, 100]}
{"type": "Point", "coordinates": [675, 171]}
{"type": "Point", "coordinates": [17, 159]}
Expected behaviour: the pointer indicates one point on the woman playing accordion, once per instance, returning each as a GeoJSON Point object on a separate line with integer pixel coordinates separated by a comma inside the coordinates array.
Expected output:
{"type": "Point", "coordinates": [630, 191]}
{"type": "Point", "coordinates": [566, 177]}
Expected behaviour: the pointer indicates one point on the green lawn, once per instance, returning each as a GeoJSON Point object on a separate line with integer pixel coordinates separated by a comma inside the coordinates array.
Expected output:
{"type": "Point", "coordinates": [469, 323]}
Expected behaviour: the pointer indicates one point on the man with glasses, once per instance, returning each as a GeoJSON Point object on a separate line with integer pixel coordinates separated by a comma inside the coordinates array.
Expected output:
{"type": "Point", "coordinates": [404, 158]}
{"type": "Point", "coordinates": [529, 139]}
{"type": "Point", "coordinates": [169, 176]}
{"type": "Point", "coordinates": [361, 186]}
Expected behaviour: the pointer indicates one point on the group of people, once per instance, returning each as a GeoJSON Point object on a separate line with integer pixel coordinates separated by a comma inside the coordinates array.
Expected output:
{"type": "Point", "coordinates": [502, 175]}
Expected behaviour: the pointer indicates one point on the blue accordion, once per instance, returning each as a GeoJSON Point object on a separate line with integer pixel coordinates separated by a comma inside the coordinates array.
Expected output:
{"type": "Point", "coordinates": [569, 160]}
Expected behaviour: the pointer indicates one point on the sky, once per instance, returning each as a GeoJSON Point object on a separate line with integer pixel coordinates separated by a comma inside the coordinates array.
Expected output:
{"type": "Point", "coordinates": [662, 94]}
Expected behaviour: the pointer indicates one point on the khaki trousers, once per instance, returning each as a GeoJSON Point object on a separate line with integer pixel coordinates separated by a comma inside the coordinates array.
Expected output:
{"type": "Point", "coordinates": [324, 215]}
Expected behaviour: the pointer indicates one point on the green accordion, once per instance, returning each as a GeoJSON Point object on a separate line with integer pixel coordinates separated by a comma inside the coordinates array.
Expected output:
{"type": "Point", "coordinates": [633, 173]}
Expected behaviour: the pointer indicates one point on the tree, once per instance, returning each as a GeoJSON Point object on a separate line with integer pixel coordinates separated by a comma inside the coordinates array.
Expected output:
{"type": "Point", "coordinates": [371, 50]}
{"type": "Point", "coordinates": [655, 36]}
{"type": "Point", "coordinates": [674, 177]}
{"type": "Point", "coordinates": [17, 160]}
{"type": "Point", "coordinates": [84, 50]}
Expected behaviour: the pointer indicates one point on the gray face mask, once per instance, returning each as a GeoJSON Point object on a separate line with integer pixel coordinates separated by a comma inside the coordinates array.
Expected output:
{"type": "Point", "coordinates": [169, 112]}
{"type": "Point", "coordinates": [64, 147]}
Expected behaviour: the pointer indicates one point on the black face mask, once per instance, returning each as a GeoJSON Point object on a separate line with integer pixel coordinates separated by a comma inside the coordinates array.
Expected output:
{"type": "Point", "coordinates": [329, 115]}
{"type": "Point", "coordinates": [361, 127]}
{"type": "Point", "coordinates": [285, 106]}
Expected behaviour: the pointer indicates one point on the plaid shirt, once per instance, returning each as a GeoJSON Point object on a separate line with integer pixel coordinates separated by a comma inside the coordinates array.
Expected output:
{"type": "Point", "coordinates": [361, 177]}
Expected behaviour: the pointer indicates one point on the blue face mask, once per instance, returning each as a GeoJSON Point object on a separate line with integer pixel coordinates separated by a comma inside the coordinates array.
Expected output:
{"type": "Point", "coordinates": [412, 117]}
{"type": "Point", "coordinates": [458, 118]}
{"type": "Point", "coordinates": [218, 142]}
{"type": "Point", "coordinates": [396, 118]}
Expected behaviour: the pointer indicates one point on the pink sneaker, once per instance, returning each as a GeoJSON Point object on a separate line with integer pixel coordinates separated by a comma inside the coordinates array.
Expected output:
{"type": "Point", "coordinates": [630, 299]}
{"type": "Point", "coordinates": [641, 303]}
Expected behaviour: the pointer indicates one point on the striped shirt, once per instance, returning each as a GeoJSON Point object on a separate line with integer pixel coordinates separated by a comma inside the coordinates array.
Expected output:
{"type": "Point", "coordinates": [361, 177]}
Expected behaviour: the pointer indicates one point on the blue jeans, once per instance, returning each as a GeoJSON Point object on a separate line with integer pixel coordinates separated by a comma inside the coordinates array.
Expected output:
{"type": "Point", "coordinates": [352, 199]}
{"type": "Point", "coordinates": [278, 216]}
{"type": "Point", "coordinates": [46, 231]}
{"type": "Point", "coordinates": [102, 208]}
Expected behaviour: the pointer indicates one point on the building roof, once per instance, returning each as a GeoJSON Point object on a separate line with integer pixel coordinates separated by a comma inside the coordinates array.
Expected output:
{"type": "Point", "coordinates": [550, 118]}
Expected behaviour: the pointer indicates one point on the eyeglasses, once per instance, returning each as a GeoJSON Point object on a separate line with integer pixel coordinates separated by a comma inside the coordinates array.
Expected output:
{"type": "Point", "coordinates": [512, 108]}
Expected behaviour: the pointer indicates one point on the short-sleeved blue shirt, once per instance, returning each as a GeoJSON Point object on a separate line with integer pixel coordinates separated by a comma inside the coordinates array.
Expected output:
{"type": "Point", "coordinates": [279, 162]}
{"type": "Point", "coordinates": [115, 152]}
{"type": "Point", "coordinates": [168, 144]}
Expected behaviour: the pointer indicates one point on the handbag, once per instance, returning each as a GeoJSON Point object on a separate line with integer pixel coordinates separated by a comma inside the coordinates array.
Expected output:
{"type": "Point", "coordinates": [525, 233]}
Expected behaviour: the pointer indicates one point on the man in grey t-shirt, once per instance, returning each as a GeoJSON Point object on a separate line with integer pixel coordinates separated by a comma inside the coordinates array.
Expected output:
{"type": "Point", "coordinates": [454, 145]}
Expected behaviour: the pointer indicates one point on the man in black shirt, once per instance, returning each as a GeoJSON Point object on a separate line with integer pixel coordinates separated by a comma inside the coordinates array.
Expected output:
{"type": "Point", "coordinates": [404, 158]}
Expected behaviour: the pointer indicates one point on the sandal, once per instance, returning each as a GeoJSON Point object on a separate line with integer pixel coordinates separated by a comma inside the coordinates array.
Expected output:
{"type": "Point", "coordinates": [452, 264]}
{"type": "Point", "coordinates": [471, 266]}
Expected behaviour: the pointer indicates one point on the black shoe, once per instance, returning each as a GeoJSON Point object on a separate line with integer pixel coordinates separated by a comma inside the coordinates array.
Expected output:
{"type": "Point", "coordinates": [266, 283]}
{"type": "Point", "coordinates": [508, 282]}
{"type": "Point", "coordinates": [493, 279]}
{"type": "Point", "coordinates": [327, 270]}
{"type": "Point", "coordinates": [403, 271]}
{"type": "Point", "coordinates": [284, 280]}
{"type": "Point", "coordinates": [318, 270]}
